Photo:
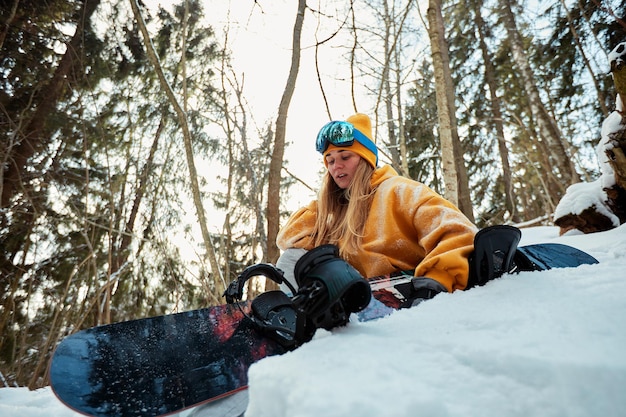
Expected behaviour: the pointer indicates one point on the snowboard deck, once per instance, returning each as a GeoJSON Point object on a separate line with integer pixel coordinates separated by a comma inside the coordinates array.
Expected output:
{"type": "Point", "coordinates": [544, 256]}
{"type": "Point", "coordinates": [163, 365]}
{"type": "Point", "coordinates": [160, 365]}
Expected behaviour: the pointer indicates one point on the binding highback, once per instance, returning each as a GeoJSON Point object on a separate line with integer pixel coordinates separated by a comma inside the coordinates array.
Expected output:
{"type": "Point", "coordinates": [494, 252]}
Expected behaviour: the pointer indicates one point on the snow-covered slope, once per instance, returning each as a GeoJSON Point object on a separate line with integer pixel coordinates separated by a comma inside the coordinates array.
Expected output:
{"type": "Point", "coordinates": [547, 343]}
{"type": "Point", "coordinates": [535, 344]}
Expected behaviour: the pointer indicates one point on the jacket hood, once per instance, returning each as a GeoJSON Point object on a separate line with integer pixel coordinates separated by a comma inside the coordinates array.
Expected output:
{"type": "Point", "coordinates": [381, 174]}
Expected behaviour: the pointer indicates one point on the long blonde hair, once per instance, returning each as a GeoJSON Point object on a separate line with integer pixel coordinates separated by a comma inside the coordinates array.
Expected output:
{"type": "Point", "coordinates": [341, 214]}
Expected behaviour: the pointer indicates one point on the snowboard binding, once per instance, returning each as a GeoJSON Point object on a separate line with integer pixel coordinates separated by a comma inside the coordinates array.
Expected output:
{"type": "Point", "coordinates": [273, 313]}
{"type": "Point", "coordinates": [329, 291]}
{"type": "Point", "coordinates": [494, 253]}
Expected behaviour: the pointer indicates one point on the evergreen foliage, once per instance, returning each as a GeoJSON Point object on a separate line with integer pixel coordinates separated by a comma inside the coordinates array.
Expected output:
{"type": "Point", "coordinates": [86, 228]}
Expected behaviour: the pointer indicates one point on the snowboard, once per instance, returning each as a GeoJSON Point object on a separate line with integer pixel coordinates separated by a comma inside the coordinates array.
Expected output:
{"type": "Point", "coordinates": [163, 365]}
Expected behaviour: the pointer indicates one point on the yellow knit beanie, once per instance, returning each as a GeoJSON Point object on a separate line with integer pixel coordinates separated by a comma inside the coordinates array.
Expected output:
{"type": "Point", "coordinates": [363, 124]}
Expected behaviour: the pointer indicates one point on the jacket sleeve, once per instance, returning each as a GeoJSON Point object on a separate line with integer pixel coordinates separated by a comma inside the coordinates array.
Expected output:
{"type": "Point", "coordinates": [447, 238]}
{"type": "Point", "coordinates": [298, 232]}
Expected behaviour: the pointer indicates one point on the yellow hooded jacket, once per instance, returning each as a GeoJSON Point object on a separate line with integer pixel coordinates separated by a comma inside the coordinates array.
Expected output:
{"type": "Point", "coordinates": [410, 227]}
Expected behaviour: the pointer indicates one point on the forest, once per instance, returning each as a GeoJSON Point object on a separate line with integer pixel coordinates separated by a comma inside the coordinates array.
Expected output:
{"type": "Point", "coordinates": [141, 170]}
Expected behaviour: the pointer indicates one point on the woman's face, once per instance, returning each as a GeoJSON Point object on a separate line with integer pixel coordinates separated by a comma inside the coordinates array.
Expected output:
{"type": "Point", "coordinates": [342, 164]}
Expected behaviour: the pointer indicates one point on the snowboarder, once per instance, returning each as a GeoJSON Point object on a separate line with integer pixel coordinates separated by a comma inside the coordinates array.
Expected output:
{"type": "Point", "coordinates": [381, 222]}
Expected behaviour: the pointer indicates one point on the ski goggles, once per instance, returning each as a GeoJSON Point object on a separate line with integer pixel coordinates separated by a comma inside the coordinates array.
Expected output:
{"type": "Point", "coordinates": [341, 133]}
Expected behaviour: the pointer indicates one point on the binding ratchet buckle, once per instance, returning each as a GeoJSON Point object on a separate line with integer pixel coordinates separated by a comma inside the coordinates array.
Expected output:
{"type": "Point", "coordinates": [329, 290]}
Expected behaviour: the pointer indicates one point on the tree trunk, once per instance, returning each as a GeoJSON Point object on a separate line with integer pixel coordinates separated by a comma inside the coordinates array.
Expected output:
{"type": "Point", "coordinates": [455, 174]}
{"type": "Point", "coordinates": [278, 152]}
{"type": "Point", "coordinates": [8, 21]}
{"type": "Point", "coordinates": [394, 28]}
{"type": "Point", "coordinates": [218, 279]}
{"type": "Point", "coordinates": [404, 160]}
{"type": "Point", "coordinates": [547, 126]}
{"type": "Point", "coordinates": [490, 79]}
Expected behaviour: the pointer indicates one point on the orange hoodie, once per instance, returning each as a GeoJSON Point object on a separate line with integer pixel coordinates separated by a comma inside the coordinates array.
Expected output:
{"type": "Point", "coordinates": [410, 227]}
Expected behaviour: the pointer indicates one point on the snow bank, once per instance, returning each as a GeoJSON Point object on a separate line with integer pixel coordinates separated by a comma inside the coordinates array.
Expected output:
{"type": "Point", "coordinates": [546, 343]}
{"type": "Point", "coordinates": [538, 343]}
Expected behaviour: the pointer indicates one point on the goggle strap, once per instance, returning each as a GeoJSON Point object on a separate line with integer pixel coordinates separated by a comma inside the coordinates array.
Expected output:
{"type": "Point", "coordinates": [365, 141]}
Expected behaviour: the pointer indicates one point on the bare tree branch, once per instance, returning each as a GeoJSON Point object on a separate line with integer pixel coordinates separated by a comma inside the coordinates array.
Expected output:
{"type": "Point", "coordinates": [220, 284]}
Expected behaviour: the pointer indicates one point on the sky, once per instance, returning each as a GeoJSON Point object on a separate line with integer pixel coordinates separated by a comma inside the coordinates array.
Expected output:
{"type": "Point", "coordinates": [261, 48]}
{"type": "Point", "coordinates": [260, 40]}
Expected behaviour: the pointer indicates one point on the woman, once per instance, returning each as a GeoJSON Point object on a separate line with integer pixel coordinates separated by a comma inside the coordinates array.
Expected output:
{"type": "Point", "coordinates": [381, 222]}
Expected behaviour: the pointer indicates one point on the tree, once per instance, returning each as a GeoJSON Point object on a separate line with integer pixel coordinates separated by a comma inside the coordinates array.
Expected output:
{"type": "Point", "coordinates": [83, 241]}
{"type": "Point", "coordinates": [604, 204]}
{"type": "Point", "coordinates": [218, 279]}
{"type": "Point", "coordinates": [390, 68]}
{"type": "Point", "coordinates": [38, 98]}
{"type": "Point", "coordinates": [278, 150]}
{"type": "Point", "coordinates": [454, 172]}
{"type": "Point", "coordinates": [490, 79]}
{"type": "Point", "coordinates": [547, 127]}
{"type": "Point", "coordinates": [420, 123]}
{"type": "Point", "coordinates": [481, 118]}
{"type": "Point", "coordinates": [32, 138]}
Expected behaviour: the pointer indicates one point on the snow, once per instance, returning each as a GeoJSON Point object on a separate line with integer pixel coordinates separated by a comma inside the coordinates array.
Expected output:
{"type": "Point", "coordinates": [545, 343]}
{"type": "Point", "coordinates": [610, 127]}
{"type": "Point", "coordinates": [583, 195]}
{"type": "Point", "coordinates": [618, 55]}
